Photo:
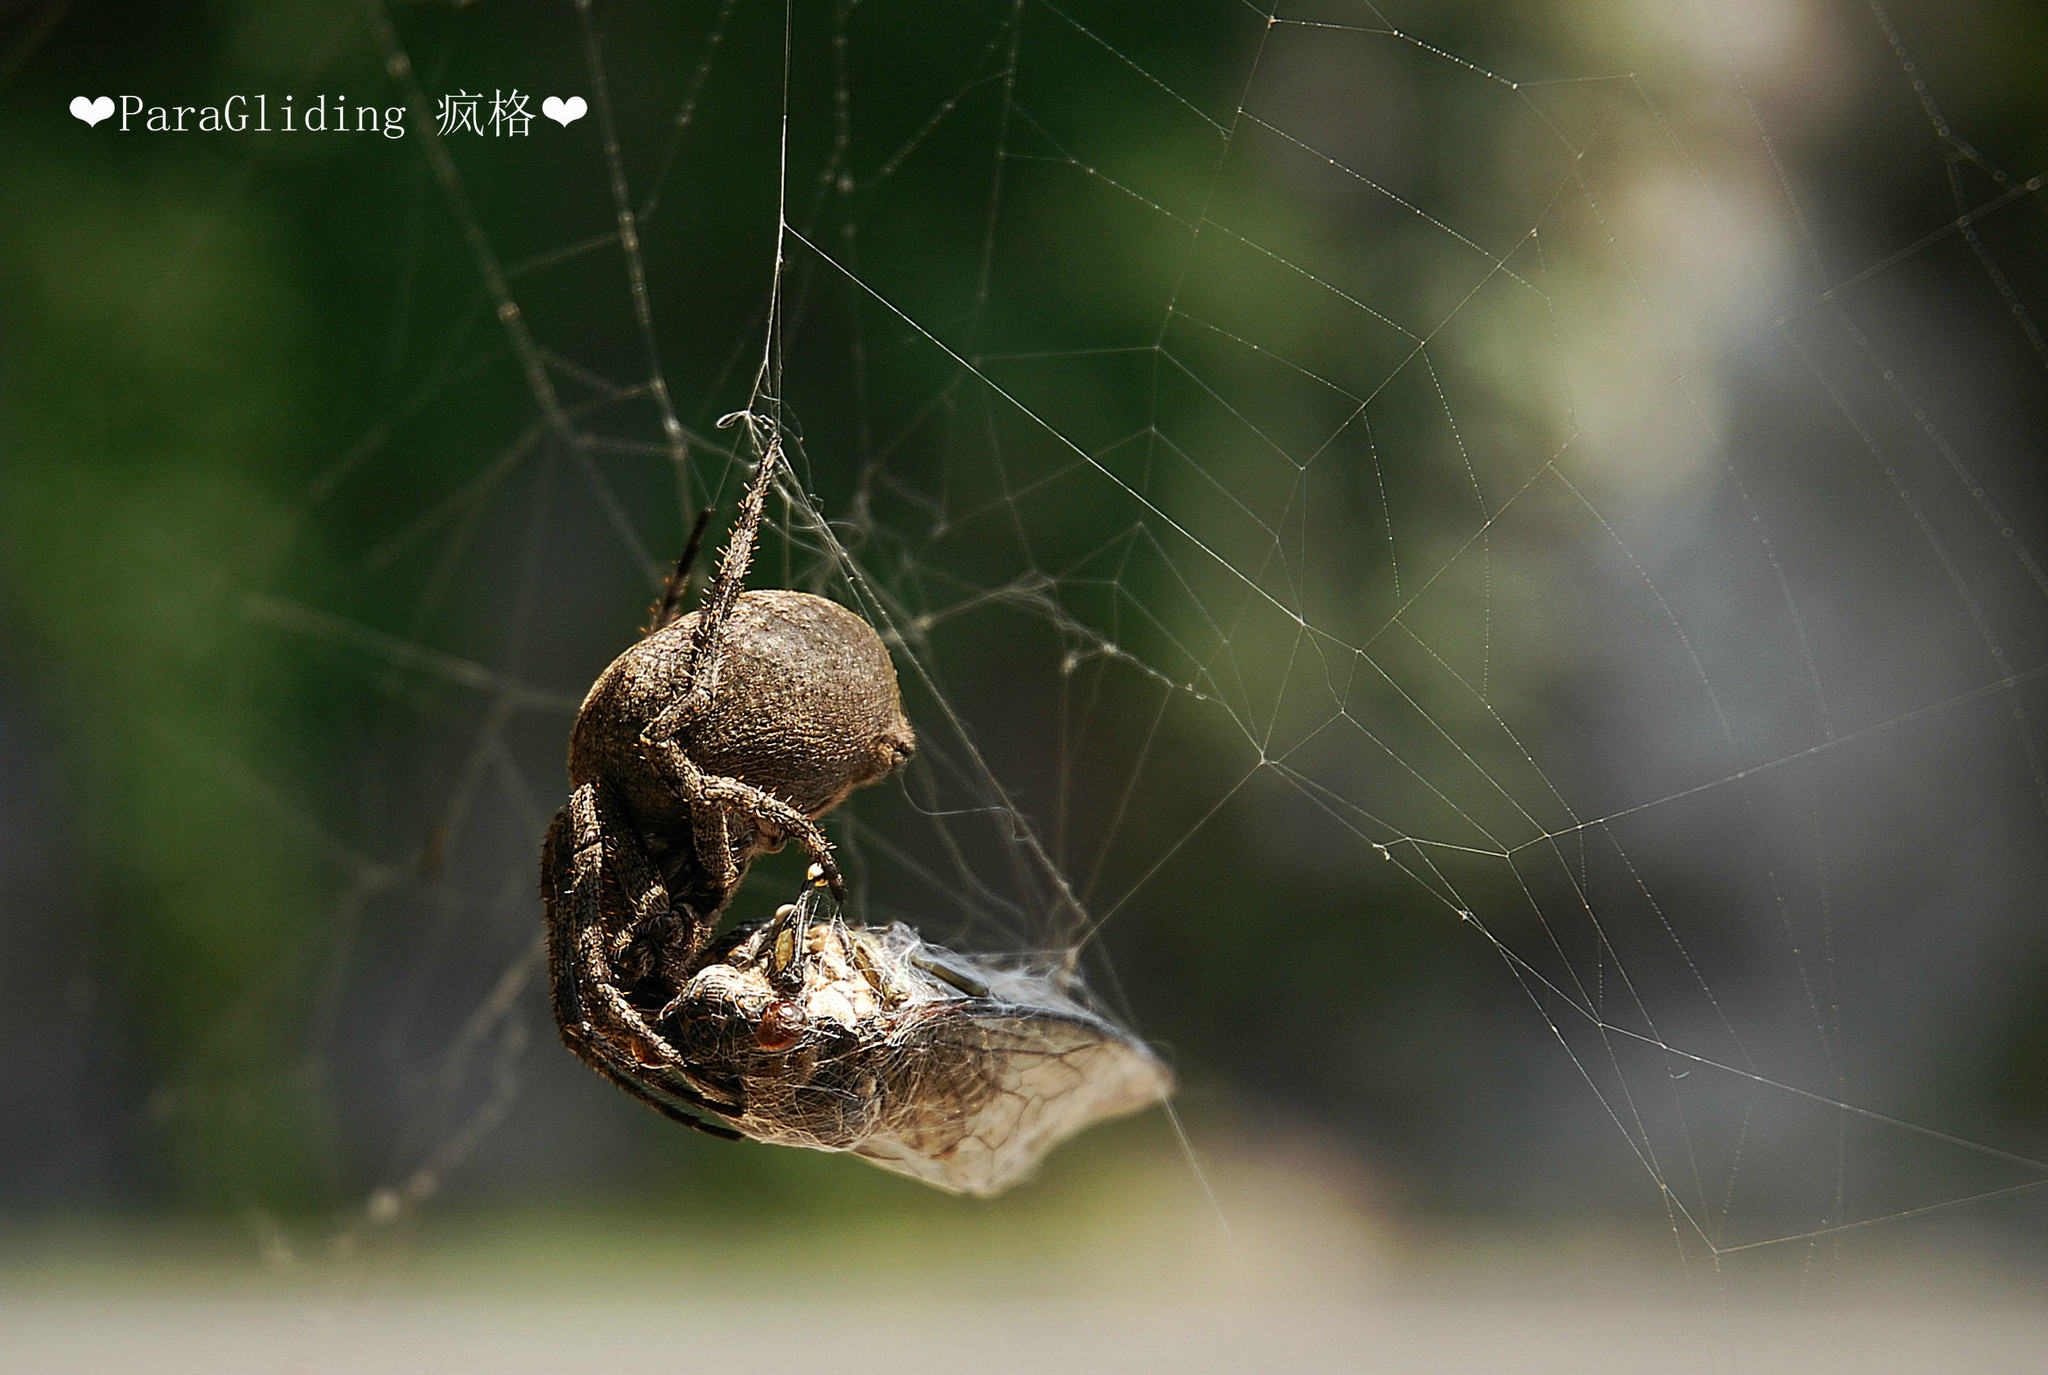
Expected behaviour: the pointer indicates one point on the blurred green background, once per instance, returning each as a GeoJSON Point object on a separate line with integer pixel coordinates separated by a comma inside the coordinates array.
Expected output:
{"type": "Point", "coordinates": [1478, 542]}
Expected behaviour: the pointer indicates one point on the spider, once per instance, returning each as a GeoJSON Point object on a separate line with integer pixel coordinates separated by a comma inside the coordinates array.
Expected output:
{"type": "Point", "coordinates": [717, 737]}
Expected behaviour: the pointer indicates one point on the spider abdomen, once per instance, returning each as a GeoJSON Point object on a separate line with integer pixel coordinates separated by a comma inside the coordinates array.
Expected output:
{"type": "Point", "coordinates": [803, 705]}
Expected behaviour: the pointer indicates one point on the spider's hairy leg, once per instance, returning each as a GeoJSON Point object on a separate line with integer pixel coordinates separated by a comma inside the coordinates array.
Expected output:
{"type": "Point", "coordinates": [715, 799]}
{"type": "Point", "coordinates": [669, 609]}
{"type": "Point", "coordinates": [712, 796]}
{"type": "Point", "coordinates": [596, 1021]}
{"type": "Point", "coordinates": [719, 598]}
{"type": "Point", "coordinates": [731, 577]}
{"type": "Point", "coordinates": [678, 931]}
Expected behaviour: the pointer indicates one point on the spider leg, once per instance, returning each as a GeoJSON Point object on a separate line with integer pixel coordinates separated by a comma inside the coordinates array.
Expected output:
{"type": "Point", "coordinates": [597, 1022]}
{"type": "Point", "coordinates": [669, 609]}
{"type": "Point", "coordinates": [719, 600]}
{"type": "Point", "coordinates": [726, 585]}
{"type": "Point", "coordinates": [714, 799]}
{"type": "Point", "coordinates": [673, 1108]}
{"type": "Point", "coordinates": [711, 796]}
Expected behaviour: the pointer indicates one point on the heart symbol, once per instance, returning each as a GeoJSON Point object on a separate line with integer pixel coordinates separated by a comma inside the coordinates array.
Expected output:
{"type": "Point", "coordinates": [562, 112]}
{"type": "Point", "coordinates": [93, 111]}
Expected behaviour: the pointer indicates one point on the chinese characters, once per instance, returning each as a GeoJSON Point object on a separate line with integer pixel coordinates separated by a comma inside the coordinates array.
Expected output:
{"type": "Point", "coordinates": [502, 114]}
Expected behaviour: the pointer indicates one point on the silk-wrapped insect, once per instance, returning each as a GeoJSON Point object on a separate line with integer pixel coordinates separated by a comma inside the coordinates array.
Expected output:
{"type": "Point", "coordinates": [959, 1071]}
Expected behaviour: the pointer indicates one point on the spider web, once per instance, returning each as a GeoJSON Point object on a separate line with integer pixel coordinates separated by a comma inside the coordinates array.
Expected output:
{"type": "Point", "coordinates": [1489, 602]}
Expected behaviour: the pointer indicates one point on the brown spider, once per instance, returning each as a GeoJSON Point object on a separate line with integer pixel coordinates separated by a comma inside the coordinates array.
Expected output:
{"type": "Point", "coordinates": [715, 738]}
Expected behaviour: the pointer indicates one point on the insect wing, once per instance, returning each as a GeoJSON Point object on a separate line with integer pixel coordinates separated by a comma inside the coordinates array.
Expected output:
{"type": "Point", "coordinates": [978, 1090]}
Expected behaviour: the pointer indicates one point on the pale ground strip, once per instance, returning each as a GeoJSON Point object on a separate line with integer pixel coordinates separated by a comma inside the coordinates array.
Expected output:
{"type": "Point", "coordinates": [1119, 1268]}
{"type": "Point", "coordinates": [226, 1335]}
